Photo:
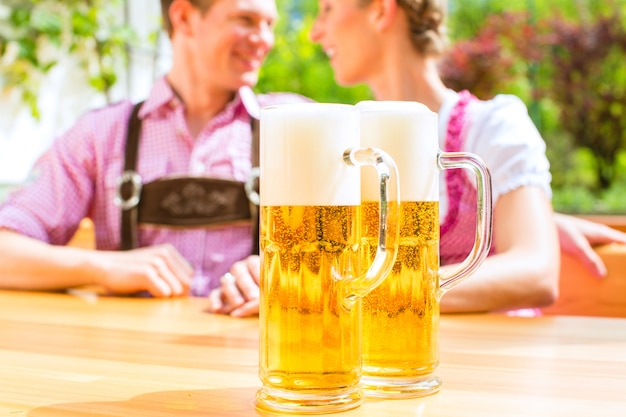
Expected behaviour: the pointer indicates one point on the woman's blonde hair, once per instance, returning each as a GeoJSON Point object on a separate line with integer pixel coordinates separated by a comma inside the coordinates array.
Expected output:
{"type": "Point", "coordinates": [427, 26]}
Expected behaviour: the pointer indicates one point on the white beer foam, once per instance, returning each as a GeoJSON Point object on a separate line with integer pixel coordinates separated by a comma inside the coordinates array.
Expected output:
{"type": "Point", "coordinates": [408, 132]}
{"type": "Point", "coordinates": [301, 155]}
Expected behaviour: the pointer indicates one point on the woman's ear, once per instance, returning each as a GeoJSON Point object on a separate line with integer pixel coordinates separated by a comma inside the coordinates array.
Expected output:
{"type": "Point", "coordinates": [180, 13]}
{"type": "Point", "coordinates": [383, 13]}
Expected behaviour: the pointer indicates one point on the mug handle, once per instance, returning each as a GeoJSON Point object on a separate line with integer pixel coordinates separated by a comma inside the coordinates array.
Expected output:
{"type": "Point", "coordinates": [356, 287]}
{"type": "Point", "coordinates": [484, 221]}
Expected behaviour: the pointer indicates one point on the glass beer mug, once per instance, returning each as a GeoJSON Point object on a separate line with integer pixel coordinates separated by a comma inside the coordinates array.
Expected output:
{"type": "Point", "coordinates": [310, 334]}
{"type": "Point", "coordinates": [401, 316]}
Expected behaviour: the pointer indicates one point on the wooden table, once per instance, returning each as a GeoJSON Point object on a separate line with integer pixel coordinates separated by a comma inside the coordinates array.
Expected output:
{"type": "Point", "coordinates": [69, 356]}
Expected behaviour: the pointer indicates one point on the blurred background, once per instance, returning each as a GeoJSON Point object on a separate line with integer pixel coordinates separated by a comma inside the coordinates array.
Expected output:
{"type": "Point", "coordinates": [566, 59]}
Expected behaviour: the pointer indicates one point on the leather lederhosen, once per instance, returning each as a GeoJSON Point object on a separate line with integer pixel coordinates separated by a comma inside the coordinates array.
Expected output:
{"type": "Point", "coordinates": [189, 201]}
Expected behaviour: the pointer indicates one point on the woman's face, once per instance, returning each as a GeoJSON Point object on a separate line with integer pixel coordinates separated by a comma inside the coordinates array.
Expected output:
{"type": "Point", "coordinates": [342, 29]}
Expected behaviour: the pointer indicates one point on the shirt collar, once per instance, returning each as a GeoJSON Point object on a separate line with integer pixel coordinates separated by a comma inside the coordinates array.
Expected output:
{"type": "Point", "coordinates": [163, 96]}
{"type": "Point", "coordinates": [250, 101]}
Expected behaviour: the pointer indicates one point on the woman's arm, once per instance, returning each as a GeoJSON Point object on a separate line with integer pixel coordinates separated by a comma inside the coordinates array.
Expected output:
{"type": "Point", "coordinates": [524, 271]}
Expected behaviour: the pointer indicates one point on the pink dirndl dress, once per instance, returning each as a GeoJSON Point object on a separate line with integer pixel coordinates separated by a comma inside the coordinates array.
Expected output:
{"type": "Point", "coordinates": [458, 228]}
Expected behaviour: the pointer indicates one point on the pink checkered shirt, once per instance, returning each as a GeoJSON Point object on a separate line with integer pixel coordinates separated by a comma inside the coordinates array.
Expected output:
{"type": "Point", "coordinates": [77, 178]}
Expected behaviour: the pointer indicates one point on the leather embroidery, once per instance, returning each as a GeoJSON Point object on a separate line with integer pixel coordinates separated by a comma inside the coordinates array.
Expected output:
{"type": "Point", "coordinates": [195, 200]}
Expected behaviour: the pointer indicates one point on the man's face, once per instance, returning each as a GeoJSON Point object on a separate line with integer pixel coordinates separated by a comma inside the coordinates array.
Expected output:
{"type": "Point", "coordinates": [230, 41]}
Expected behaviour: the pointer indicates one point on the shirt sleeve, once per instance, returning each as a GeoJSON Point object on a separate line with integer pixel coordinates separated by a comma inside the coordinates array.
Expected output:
{"type": "Point", "coordinates": [60, 189]}
{"type": "Point", "coordinates": [505, 137]}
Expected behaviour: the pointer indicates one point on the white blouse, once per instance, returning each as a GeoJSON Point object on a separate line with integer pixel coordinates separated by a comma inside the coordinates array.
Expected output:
{"type": "Point", "coordinates": [502, 133]}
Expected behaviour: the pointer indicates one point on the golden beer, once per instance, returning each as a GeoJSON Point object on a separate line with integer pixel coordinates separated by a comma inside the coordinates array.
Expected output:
{"type": "Point", "coordinates": [401, 316]}
{"type": "Point", "coordinates": [310, 343]}
{"type": "Point", "coordinates": [311, 282]}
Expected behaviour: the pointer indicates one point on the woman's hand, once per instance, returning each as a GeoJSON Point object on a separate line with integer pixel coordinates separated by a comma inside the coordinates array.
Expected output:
{"type": "Point", "coordinates": [578, 236]}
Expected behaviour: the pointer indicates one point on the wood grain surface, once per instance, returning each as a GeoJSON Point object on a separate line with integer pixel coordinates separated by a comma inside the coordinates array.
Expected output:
{"type": "Point", "coordinates": [79, 355]}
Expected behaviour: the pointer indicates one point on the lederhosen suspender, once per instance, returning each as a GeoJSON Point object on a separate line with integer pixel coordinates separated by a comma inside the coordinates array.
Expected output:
{"type": "Point", "coordinates": [181, 201]}
{"type": "Point", "coordinates": [254, 205]}
{"type": "Point", "coordinates": [129, 185]}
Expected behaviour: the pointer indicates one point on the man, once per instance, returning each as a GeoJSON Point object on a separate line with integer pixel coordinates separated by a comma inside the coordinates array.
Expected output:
{"type": "Point", "coordinates": [194, 123]}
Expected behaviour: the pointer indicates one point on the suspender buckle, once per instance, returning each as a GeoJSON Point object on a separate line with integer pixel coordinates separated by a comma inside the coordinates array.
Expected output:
{"type": "Point", "coordinates": [251, 186]}
{"type": "Point", "coordinates": [128, 184]}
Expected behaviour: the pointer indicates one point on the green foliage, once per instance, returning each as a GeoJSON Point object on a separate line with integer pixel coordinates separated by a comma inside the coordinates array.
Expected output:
{"type": "Point", "coordinates": [525, 53]}
{"type": "Point", "coordinates": [36, 34]}
{"type": "Point", "coordinates": [490, 56]}
{"type": "Point", "coordinates": [577, 199]}
{"type": "Point", "coordinates": [480, 64]}
{"type": "Point", "coordinates": [466, 19]}
{"type": "Point", "coordinates": [566, 60]}
{"type": "Point", "coordinates": [587, 80]}
{"type": "Point", "coordinates": [298, 65]}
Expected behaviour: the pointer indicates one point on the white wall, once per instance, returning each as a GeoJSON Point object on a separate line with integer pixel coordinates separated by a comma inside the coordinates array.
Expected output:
{"type": "Point", "coordinates": [65, 95]}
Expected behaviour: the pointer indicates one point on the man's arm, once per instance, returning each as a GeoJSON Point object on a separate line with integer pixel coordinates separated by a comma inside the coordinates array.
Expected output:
{"type": "Point", "coordinates": [29, 264]}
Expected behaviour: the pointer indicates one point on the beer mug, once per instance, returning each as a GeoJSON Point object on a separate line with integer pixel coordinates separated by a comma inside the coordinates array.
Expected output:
{"type": "Point", "coordinates": [401, 316]}
{"type": "Point", "coordinates": [310, 196]}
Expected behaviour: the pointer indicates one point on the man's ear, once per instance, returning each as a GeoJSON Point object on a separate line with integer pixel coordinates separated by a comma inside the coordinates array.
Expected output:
{"type": "Point", "coordinates": [180, 13]}
{"type": "Point", "coordinates": [383, 13]}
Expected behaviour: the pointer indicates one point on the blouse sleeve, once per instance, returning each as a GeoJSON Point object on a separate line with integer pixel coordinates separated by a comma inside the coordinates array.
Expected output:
{"type": "Point", "coordinates": [503, 134]}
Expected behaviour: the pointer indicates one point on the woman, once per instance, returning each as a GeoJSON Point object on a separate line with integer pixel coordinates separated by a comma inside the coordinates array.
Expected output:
{"type": "Point", "coordinates": [393, 46]}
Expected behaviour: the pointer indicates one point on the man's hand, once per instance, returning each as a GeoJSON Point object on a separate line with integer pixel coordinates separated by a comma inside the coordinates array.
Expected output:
{"type": "Point", "coordinates": [160, 270]}
{"type": "Point", "coordinates": [238, 294]}
{"type": "Point", "coordinates": [578, 236]}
